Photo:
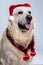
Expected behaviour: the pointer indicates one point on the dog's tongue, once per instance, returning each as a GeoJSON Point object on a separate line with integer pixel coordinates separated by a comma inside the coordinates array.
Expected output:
{"type": "Point", "coordinates": [27, 26]}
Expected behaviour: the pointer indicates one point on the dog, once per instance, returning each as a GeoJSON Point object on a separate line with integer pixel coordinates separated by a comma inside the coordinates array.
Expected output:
{"type": "Point", "coordinates": [17, 43]}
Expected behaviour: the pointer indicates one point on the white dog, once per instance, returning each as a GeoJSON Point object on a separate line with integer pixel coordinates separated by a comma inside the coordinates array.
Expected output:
{"type": "Point", "coordinates": [17, 44]}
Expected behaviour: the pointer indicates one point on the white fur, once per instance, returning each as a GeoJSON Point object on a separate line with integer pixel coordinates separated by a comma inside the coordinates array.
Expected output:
{"type": "Point", "coordinates": [10, 55]}
{"type": "Point", "coordinates": [21, 8]}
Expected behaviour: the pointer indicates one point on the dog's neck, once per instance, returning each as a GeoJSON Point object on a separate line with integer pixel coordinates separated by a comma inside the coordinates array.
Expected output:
{"type": "Point", "coordinates": [20, 37]}
{"type": "Point", "coordinates": [20, 47]}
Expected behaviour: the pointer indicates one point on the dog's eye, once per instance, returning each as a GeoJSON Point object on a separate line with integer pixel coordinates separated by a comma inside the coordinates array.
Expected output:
{"type": "Point", "coordinates": [20, 12]}
{"type": "Point", "coordinates": [29, 12]}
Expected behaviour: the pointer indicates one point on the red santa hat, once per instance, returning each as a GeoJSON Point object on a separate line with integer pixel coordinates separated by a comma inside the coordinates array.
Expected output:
{"type": "Point", "coordinates": [11, 9]}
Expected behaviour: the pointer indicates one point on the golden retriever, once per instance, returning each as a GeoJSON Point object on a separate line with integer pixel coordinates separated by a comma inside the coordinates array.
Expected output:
{"type": "Point", "coordinates": [17, 44]}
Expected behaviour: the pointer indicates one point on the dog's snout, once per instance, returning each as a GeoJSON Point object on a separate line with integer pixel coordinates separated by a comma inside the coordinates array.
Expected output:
{"type": "Point", "coordinates": [28, 17]}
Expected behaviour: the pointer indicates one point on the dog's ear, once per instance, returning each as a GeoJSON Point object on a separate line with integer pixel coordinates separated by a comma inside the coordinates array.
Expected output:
{"type": "Point", "coordinates": [33, 23]}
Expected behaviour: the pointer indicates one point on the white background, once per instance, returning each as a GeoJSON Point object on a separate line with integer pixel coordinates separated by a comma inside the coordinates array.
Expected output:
{"type": "Point", "coordinates": [37, 10]}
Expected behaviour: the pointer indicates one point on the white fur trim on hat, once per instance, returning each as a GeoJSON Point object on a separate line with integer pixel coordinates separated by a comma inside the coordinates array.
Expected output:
{"type": "Point", "coordinates": [23, 8]}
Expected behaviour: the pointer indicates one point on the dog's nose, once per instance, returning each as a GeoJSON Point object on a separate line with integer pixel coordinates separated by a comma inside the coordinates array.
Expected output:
{"type": "Point", "coordinates": [28, 17]}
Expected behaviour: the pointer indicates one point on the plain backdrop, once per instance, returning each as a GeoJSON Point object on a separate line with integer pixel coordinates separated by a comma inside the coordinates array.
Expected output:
{"type": "Point", "coordinates": [37, 11]}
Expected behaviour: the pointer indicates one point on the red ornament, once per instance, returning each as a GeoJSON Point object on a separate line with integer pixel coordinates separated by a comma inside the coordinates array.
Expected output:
{"type": "Point", "coordinates": [33, 53]}
{"type": "Point", "coordinates": [26, 57]}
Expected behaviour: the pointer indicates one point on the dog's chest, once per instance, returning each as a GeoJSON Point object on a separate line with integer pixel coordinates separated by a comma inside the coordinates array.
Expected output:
{"type": "Point", "coordinates": [11, 50]}
{"type": "Point", "coordinates": [13, 55]}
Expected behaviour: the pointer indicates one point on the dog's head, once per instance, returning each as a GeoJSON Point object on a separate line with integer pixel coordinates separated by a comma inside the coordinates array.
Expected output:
{"type": "Point", "coordinates": [21, 22]}
{"type": "Point", "coordinates": [22, 17]}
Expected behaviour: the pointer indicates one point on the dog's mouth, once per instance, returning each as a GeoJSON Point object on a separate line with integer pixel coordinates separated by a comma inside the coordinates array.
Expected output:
{"type": "Point", "coordinates": [24, 26]}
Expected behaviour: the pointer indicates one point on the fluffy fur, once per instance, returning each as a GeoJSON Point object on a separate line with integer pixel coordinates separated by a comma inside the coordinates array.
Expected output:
{"type": "Point", "coordinates": [10, 55]}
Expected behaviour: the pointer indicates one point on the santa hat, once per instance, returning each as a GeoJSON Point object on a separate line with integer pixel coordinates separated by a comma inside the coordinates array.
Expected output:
{"type": "Point", "coordinates": [11, 9]}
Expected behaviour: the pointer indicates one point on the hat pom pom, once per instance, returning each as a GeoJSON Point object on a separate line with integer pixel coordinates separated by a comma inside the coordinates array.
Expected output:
{"type": "Point", "coordinates": [11, 18]}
